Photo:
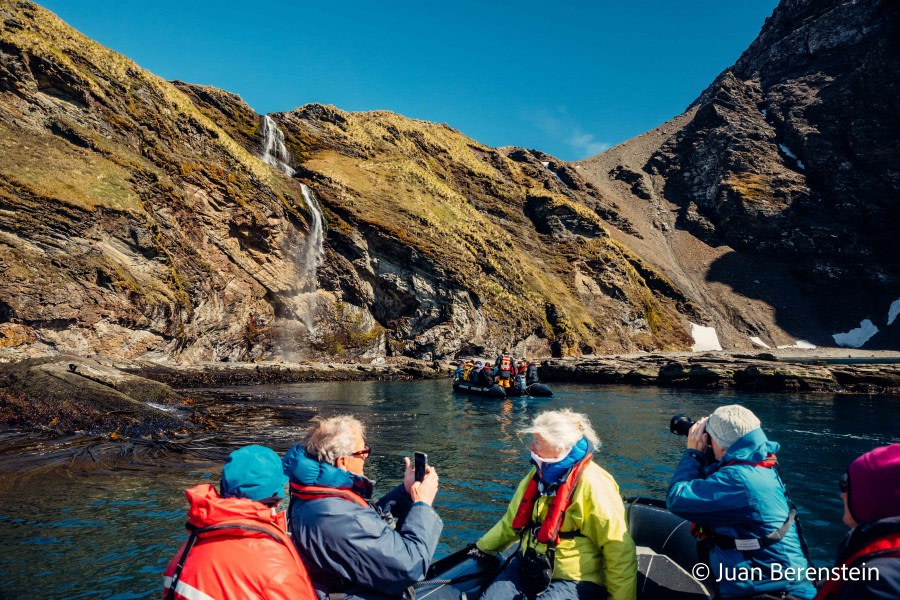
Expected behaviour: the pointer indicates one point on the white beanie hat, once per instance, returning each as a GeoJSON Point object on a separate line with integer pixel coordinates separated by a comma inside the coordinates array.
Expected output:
{"type": "Point", "coordinates": [730, 423]}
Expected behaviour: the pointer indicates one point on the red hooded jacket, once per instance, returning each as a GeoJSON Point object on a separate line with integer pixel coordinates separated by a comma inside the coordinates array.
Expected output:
{"type": "Point", "coordinates": [249, 555]}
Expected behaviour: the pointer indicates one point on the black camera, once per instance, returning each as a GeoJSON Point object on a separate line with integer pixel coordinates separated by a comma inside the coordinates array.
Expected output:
{"type": "Point", "coordinates": [681, 424]}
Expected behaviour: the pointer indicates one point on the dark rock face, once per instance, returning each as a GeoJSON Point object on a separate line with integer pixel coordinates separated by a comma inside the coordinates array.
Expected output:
{"type": "Point", "coordinates": [793, 156]}
{"type": "Point", "coordinates": [636, 180]}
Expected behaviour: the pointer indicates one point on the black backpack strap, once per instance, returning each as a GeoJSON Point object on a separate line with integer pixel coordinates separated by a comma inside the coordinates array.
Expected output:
{"type": "Point", "coordinates": [803, 547]}
{"type": "Point", "coordinates": [748, 544]}
{"type": "Point", "coordinates": [170, 593]}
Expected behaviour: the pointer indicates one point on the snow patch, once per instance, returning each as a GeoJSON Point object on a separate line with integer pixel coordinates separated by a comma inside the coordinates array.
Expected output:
{"type": "Point", "coordinates": [764, 112]}
{"type": "Point", "coordinates": [787, 151]}
{"type": "Point", "coordinates": [855, 338]}
{"type": "Point", "coordinates": [759, 342]}
{"type": "Point", "coordinates": [705, 338]}
{"type": "Point", "coordinates": [789, 154]}
{"type": "Point", "coordinates": [547, 166]}
{"type": "Point", "coordinates": [893, 311]}
{"type": "Point", "coordinates": [801, 344]}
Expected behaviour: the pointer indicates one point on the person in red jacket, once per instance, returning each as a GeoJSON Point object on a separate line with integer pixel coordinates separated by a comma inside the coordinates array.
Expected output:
{"type": "Point", "coordinates": [238, 547]}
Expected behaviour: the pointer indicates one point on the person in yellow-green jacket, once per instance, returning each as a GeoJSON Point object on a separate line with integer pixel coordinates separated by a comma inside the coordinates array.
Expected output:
{"type": "Point", "coordinates": [570, 518]}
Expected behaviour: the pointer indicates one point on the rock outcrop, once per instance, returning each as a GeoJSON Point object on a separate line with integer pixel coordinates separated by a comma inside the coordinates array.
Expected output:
{"type": "Point", "coordinates": [68, 393]}
{"type": "Point", "coordinates": [752, 373]}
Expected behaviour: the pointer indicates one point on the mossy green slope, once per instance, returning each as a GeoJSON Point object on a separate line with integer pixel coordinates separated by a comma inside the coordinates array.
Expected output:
{"type": "Point", "coordinates": [136, 219]}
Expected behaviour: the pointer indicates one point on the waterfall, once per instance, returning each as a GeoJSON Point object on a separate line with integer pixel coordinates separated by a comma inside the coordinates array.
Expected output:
{"type": "Point", "coordinates": [274, 151]}
{"type": "Point", "coordinates": [312, 254]}
{"type": "Point", "coordinates": [308, 258]}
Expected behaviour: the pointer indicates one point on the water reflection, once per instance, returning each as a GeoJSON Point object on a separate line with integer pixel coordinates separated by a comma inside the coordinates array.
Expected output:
{"type": "Point", "coordinates": [110, 535]}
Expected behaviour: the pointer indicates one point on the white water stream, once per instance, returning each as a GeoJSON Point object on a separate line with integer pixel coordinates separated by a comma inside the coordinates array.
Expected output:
{"type": "Point", "coordinates": [315, 241]}
{"type": "Point", "coordinates": [275, 153]}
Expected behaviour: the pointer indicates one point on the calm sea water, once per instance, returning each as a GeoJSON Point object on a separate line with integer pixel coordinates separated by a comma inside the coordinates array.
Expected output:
{"type": "Point", "coordinates": [110, 535]}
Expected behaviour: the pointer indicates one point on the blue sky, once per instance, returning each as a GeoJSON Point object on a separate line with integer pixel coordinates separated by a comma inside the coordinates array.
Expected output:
{"type": "Point", "coordinates": [569, 78]}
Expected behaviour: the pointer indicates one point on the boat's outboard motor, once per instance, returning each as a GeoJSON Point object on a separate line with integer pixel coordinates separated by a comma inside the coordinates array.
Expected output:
{"type": "Point", "coordinates": [520, 382]}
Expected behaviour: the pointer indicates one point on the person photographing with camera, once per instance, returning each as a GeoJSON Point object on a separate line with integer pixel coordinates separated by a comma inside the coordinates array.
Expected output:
{"type": "Point", "coordinates": [745, 520]}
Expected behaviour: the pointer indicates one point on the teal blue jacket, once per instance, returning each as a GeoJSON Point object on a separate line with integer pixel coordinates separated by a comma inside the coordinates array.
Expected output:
{"type": "Point", "coordinates": [741, 501]}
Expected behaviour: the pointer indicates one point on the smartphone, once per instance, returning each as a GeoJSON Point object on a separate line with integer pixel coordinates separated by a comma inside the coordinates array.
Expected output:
{"type": "Point", "coordinates": [421, 461]}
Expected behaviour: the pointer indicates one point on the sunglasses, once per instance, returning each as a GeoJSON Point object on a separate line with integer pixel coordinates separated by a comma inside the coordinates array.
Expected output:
{"type": "Point", "coordinates": [363, 454]}
{"type": "Point", "coordinates": [842, 483]}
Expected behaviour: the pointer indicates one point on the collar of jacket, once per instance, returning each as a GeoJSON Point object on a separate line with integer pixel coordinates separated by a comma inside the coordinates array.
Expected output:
{"type": "Point", "coordinates": [753, 447]}
{"type": "Point", "coordinates": [555, 473]}
{"type": "Point", "coordinates": [303, 468]}
{"type": "Point", "coordinates": [865, 533]}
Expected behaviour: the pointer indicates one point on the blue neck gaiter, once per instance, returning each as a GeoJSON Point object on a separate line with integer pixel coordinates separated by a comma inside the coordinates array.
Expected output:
{"type": "Point", "coordinates": [553, 473]}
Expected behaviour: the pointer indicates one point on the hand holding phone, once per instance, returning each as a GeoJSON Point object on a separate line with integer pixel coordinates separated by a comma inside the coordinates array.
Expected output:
{"type": "Point", "coordinates": [421, 462]}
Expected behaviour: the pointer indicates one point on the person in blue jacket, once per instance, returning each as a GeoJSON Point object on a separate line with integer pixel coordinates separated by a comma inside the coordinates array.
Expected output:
{"type": "Point", "coordinates": [741, 505]}
{"type": "Point", "coordinates": [352, 547]}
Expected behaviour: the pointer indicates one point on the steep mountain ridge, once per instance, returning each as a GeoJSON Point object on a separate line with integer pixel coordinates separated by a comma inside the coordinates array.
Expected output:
{"type": "Point", "coordinates": [775, 198]}
{"type": "Point", "coordinates": [136, 220]}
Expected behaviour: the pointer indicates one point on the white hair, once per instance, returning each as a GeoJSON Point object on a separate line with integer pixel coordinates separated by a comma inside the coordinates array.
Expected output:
{"type": "Point", "coordinates": [563, 428]}
{"type": "Point", "coordinates": [330, 439]}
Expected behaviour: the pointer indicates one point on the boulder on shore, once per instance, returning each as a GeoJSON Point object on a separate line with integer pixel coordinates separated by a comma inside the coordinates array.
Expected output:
{"type": "Point", "coordinates": [68, 393]}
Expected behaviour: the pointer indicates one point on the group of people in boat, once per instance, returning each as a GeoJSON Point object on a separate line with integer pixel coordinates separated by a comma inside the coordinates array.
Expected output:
{"type": "Point", "coordinates": [567, 514]}
{"type": "Point", "coordinates": [505, 372]}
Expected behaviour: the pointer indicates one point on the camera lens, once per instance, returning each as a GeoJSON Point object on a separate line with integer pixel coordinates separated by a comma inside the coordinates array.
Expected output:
{"type": "Point", "coordinates": [680, 424]}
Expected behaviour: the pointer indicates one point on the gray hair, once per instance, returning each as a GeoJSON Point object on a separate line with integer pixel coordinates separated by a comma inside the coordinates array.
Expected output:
{"type": "Point", "coordinates": [333, 437]}
{"type": "Point", "coordinates": [563, 428]}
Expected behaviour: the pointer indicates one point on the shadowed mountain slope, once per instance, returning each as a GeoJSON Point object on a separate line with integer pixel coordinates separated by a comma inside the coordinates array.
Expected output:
{"type": "Point", "coordinates": [774, 201]}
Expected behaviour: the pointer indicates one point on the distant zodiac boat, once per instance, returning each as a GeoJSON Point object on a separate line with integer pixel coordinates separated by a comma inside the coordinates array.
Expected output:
{"type": "Point", "coordinates": [498, 391]}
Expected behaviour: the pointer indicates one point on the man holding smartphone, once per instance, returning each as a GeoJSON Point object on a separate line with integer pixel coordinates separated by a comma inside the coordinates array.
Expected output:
{"type": "Point", "coordinates": [353, 548]}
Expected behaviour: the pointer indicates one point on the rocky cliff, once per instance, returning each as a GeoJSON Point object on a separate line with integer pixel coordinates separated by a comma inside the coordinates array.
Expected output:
{"type": "Point", "coordinates": [774, 201]}
{"type": "Point", "coordinates": [137, 220]}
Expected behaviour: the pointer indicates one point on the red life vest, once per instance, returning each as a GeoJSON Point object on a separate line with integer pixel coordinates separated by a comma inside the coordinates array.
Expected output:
{"type": "Point", "coordinates": [888, 545]}
{"type": "Point", "coordinates": [549, 531]}
{"type": "Point", "coordinates": [314, 492]}
{"type": "Point", "coordinates": [506, 362]}
{"type": "Point", "coordinates": [768, 462]}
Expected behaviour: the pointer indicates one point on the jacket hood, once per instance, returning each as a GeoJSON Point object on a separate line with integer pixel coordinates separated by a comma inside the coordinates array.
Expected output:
{"type": "Point", "coordinates": [303, 468]}
{"type": "Point", "coordinates": [207, 508]}
{"type": "Point", "coordinates": [753, 447]}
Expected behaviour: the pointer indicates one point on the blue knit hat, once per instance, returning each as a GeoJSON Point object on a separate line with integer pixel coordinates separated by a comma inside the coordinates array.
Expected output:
{"type": "Point", "coordinates": [253, 472]}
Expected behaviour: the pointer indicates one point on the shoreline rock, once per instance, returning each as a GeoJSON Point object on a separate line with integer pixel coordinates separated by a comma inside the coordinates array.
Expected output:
{"type": "Point", "coordinates": [203, 375]}
{"type": "Point", "coordinates": [67, 394]}
{"type": "Point", "coordinates": [764, 372]}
